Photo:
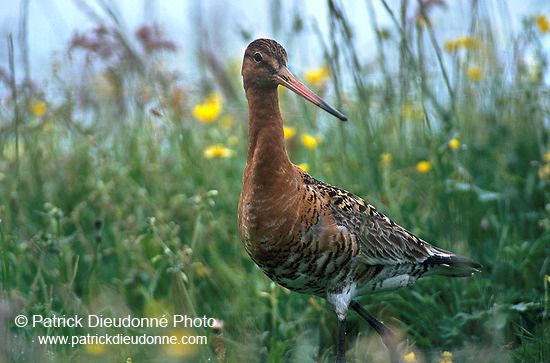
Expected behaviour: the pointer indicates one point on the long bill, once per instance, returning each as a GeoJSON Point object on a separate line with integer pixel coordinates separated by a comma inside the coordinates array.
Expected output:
{"type": "Point", "coordinates": [286, 79]}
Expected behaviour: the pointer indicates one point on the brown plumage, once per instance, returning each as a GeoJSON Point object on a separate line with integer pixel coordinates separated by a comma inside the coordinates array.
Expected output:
{"type": "Point", "coordinates": [312, 237]}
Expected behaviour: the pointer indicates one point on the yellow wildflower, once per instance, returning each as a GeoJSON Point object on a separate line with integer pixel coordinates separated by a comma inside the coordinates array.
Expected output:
{"type": "Point", "coordinates": [542, 23]}
{"type": "Point", "coordinates": [410, 358]}
{"type": "Point", "coordinates": [446, 357]}
{"type": "Point", "coordinates": [201, 270]}
{"type": "Point", "coordinates": [289, 131]}
{"type": "Point", "coordinates": [450, 46]}
{"type": "Point", "coordinates": [311, 142]}
{"type": "Point", "coordinates": [454, 143]}
{"type": "Point", "coordinates": [187, 346]}
{"type": "Point", "coordinates": [38, 108]}
{"type": "Point", "coordinates": [544, 172]}
{"type": "Point", "coordinates": [218, 151]}
{"type": "Point", "coordinates": [461, 42]}
{"type": "Point", "coordinates": [423, 166]}
{"type": "Point", "coordinates": [385, 160]}
{"type": "Point", "coordinates": [303, 166]}
{"type": "Point", "coordinates": [474, 73]}
{"type": "Point", "coordinates": [209, 109]}
{"type": "Point", "coordinates": [317, 76]}
{"type": "Point", "coordinates": [95, 349]}
{"type": "Point", "coordinates": [467, 42]}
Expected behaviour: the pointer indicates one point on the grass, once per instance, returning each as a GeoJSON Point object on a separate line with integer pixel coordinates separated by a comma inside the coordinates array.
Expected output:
{"type": "Point", "coordinates": [109, 206]}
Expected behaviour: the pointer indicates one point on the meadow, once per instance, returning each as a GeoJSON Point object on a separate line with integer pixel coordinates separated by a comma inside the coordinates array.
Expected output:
{"type": "Point", "coordinates": [119, 192]}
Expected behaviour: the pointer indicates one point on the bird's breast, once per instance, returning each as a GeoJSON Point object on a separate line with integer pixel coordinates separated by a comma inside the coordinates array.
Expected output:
{"type": "Point", "coordinates": [295, 240]}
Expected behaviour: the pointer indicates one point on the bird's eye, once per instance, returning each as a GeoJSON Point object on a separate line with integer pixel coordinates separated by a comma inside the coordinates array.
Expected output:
{"type": "Point", "coordinates": [258, 57]}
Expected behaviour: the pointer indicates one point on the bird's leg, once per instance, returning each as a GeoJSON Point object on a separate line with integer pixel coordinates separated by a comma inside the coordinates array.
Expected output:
{"type": "Point", "coordinates": [341, 348]}
{"type": "Point", "coordinates": [385, 333]}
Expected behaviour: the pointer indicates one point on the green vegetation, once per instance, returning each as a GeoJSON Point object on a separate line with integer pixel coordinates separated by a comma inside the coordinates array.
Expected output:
{"type": "Point", "coordinates": [118, 194]}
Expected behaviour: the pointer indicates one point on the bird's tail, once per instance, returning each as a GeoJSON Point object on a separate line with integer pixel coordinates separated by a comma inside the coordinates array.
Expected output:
{"type": "Point", "coordinates": [452, 265]}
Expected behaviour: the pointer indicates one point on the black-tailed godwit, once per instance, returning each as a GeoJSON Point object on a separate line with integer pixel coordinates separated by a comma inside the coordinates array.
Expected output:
{"type": "Point", "coordinates": [312, 237]}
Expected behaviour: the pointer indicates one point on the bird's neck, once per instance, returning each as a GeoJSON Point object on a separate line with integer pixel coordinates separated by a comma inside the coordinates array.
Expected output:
{"type": "Point", "coordinates": [267, 155]}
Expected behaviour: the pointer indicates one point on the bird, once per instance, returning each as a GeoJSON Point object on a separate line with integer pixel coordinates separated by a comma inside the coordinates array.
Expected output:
{"type": "Point", "coordinates": [312, 237]}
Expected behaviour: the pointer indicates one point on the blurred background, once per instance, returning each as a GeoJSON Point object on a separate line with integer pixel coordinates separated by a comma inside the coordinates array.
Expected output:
{"type": "Point", "coordinates": [43, 29]}
{"type": "Point", "coordinates": [123, 138]}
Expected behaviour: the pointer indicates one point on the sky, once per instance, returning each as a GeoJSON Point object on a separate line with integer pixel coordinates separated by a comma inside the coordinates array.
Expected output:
{"type": "Point", "coordinates": [51, 23]}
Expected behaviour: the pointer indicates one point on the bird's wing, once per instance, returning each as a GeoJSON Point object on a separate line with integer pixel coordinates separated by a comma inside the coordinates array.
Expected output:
{"type": "Point", "coordinates": [385, 242]}
{"type": "Point", "coordinates": [382, 241]}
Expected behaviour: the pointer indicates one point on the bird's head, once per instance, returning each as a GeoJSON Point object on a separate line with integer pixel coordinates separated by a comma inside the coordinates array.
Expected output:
{"type": "Point", "coordinates": [265, 66]}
